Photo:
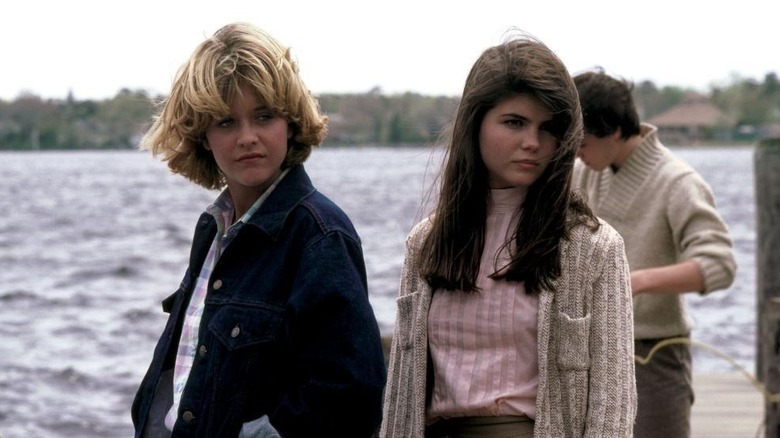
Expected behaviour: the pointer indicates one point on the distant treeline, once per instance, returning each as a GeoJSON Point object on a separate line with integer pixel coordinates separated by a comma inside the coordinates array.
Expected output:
{"type": "Point", "coordinates": [371, 118]}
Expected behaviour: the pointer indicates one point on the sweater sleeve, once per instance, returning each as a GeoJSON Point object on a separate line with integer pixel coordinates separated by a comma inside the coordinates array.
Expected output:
{"type": "Point", "coordinates": [404, 398]}
{"type": "Point", "coordinates": [612, 395]}
{"type": "Point", "coordinates": [700, 232]}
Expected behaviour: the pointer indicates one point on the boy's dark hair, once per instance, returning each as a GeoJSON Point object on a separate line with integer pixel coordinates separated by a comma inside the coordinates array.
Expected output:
{"type": "Point", "coordinates": [607, 104]}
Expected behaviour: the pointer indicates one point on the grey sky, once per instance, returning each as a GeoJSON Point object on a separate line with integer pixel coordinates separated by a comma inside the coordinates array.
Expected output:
{"type": "Point", "coordinates": [95, 48]}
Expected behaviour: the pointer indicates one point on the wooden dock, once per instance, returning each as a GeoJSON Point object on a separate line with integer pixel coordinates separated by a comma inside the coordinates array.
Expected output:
{"type": "Point", "coordinates": [727, 405]}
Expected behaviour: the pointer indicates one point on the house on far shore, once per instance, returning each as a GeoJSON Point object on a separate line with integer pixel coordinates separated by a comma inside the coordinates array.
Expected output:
{"type": "Point", "coordinates": [692, 122]}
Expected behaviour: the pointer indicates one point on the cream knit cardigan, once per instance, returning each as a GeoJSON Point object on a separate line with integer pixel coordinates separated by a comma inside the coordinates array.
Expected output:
{"type": "Point", "coordinates": [586, 350]}
{"type": "Point", "coordinates": [666, 213]}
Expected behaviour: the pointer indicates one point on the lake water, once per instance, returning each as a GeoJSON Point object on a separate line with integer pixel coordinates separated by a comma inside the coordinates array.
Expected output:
{"type": "Point", "coordinates": [90, 242]}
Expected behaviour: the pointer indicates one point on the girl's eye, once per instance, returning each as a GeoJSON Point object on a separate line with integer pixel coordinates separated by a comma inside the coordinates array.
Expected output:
{"type": "Point", "coordinates": [227, 121]}
{"type": "Point", "coordinates": [264, 116]}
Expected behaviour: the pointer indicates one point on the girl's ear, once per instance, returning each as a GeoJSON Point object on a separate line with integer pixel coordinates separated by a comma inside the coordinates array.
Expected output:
{"type": "Point", "coordinates": [206, 145]}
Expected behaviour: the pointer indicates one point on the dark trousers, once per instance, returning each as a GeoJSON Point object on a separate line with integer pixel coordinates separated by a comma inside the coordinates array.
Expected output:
{"type": "Point", "coordinates": [482, 427]}
{"type": "Point", "coordinates": [665, 391]}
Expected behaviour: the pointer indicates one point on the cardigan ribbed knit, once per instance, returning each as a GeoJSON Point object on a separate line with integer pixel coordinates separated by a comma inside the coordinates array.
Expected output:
{"type": "Point", "coordinates": [666, 213]}
{"type": "Point", "coordinates": [585, 344]}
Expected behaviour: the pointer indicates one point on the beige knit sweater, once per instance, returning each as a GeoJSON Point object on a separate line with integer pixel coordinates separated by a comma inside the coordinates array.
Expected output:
{"type": "Point", "coordinates": [586, 352]}
{"type": "Point", "coordinates": [666, 214]}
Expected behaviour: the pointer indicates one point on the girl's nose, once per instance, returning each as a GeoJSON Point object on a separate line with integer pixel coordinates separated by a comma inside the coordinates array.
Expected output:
{"type": "Point", "coordinates": [247, 136]}
{"type": "Point", "coordinates": [531, 141]}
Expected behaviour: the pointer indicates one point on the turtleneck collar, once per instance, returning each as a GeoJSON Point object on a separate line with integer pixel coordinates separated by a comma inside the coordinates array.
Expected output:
{"type": "Point", "coordinates": [506, 200]}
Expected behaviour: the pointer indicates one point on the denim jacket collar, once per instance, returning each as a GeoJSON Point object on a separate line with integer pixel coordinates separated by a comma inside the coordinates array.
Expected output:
{"type": "Point", "coordinates": [292, 190]}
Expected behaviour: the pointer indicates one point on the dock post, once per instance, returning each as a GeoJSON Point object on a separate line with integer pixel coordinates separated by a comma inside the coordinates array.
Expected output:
{"type": "Point", "coordinates": [767, 190]}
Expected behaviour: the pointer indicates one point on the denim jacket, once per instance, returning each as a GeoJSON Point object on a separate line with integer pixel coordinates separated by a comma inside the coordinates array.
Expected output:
{"type": "Point", "coordinates": [287, 331]}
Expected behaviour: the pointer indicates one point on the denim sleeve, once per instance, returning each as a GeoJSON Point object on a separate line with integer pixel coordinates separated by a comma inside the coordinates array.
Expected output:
{"type": "Point", "coordinates": [334, 336]}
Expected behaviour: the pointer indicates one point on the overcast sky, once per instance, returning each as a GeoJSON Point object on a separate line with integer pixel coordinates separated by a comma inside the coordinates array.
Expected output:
{"type": "Point", "coordinates": [95, 48]}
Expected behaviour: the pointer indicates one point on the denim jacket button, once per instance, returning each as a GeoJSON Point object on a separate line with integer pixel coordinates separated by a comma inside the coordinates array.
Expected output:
{"type": "Point", "coordinates": [217, 284]}
{"type": "Point", "coordinates": [188, 416]}
{"type": "Point", "coordinates": [202, 350]}
{"type": "Point", "coordinates": [234, 333]}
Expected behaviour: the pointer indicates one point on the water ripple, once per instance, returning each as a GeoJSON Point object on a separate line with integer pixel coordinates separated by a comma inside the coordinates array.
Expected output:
{"type": "Point", "coordinates": [83, 269]}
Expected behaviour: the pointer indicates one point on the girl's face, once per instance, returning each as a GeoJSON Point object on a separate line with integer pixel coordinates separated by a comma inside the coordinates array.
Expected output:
{"type": "Point", "coordinates": [515, 141]}
{"type": "Point", "coordinates": [249, 145]}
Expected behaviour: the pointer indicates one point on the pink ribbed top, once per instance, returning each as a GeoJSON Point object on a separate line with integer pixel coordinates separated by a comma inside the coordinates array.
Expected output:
{"type": "Point", "coordinates": [484, 344]}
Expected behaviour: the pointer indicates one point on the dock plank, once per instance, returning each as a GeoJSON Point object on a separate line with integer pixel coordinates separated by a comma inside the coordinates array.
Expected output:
{"type": "Point", "coordinates": [727, 405]}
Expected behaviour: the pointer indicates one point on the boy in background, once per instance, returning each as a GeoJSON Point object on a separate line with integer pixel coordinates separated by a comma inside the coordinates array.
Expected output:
{"type": "Point", "coordinates": [676, 241]}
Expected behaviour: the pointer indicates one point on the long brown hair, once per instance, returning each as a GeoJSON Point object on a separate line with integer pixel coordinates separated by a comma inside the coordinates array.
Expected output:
{"type": "Point", "coordinates": [451, 253]}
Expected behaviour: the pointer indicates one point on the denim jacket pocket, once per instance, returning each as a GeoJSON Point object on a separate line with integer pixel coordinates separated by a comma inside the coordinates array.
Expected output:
{"type": "Point", "coordinates": [573, 342]}
{"type": "Point", "coordinates": [239, 326]}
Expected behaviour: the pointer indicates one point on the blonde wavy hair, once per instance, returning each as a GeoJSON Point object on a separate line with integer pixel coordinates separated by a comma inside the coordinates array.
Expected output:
{"type": "Point", "coordinates": [237, 54]}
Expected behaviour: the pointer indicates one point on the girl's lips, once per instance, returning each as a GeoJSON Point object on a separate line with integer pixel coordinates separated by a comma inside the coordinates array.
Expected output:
{"type": "Point", "coordinates": [527, 163]}
{"type": "Point", "coordinates": [249, 157]}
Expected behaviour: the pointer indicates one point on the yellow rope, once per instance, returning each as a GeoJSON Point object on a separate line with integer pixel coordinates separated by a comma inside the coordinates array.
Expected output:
{"type": "Point", "coordinates": [772, 398]}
